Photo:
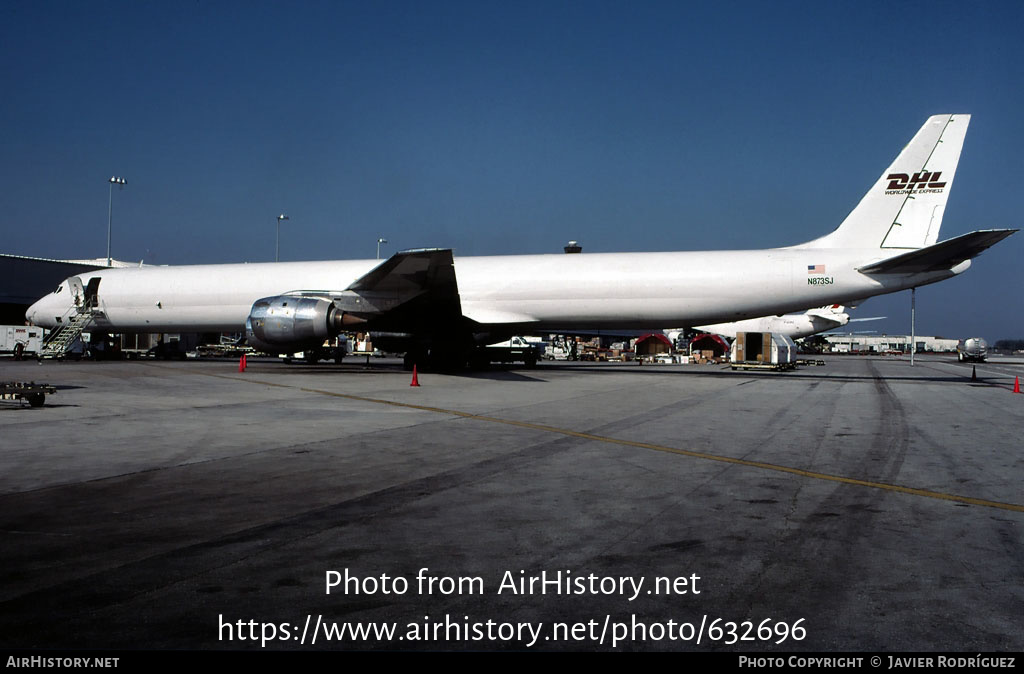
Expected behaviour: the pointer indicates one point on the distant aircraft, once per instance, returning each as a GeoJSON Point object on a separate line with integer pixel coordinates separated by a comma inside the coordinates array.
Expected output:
{"type": "Point", "coordinates": [438, 309]}
{"type": "Point", "coordinates": [793, 326]}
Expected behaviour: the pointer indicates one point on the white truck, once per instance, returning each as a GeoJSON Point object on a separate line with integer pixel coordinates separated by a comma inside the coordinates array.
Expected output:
{"type": "Point", "coordinates": [513, 350]}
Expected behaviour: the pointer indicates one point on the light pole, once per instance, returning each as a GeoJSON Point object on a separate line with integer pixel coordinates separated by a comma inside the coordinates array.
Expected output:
{"type": "Point", "coordinates": [913, 337]}
{"type": "Point", "coordinates": [114, 180]}
{"type": "Point", "coordinates": [380, 240]}
{"type": "Point", "coordinates": [277, 243]}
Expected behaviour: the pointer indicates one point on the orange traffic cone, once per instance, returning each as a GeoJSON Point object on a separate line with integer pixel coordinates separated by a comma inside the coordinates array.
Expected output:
{"type": "Point", "coordinates": [1016, 384]}
{"type": "Point", "coordinates": [974, 373]}
{"type": "Point", "coordinates": [241, 364]}
{"type": "Point", "coordinates": [415, 379]}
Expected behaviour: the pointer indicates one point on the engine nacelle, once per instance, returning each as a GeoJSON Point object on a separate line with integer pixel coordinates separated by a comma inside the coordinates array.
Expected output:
{"type": "Point", "coordinates": [290, 322]}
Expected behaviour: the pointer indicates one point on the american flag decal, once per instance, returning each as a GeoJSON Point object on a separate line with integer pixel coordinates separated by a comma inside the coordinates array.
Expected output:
{"type": "Point", "coordinates": [815, 269]}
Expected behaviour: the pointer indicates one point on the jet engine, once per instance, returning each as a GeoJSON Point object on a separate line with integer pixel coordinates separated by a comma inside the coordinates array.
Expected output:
{"type": "Point", "coordinates": [292, 323]}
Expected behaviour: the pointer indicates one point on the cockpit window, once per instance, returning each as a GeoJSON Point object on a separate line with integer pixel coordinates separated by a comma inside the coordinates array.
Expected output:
{"type": "Point", "coordinates": [59, 288]}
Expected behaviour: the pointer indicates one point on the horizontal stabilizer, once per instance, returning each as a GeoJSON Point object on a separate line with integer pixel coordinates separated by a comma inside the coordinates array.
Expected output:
{"type": "Point", "coordinates": [834, 321]}
{"type": "Point", "coordinates": [939, 256]}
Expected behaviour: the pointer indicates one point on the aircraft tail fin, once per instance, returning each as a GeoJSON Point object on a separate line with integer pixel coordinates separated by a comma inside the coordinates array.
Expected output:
{"type": "Point", "coordinates": [828, 311]}
{"type": "Point", "coordinates": [903, 209]}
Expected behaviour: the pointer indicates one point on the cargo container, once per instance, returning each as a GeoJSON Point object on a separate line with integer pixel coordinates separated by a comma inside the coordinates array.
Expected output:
{"type": "Point", "coordinates": [762, 351]}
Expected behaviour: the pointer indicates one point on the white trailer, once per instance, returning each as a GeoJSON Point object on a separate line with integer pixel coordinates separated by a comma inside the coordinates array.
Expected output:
{"type": "Point", "coordinates": [20, 339]}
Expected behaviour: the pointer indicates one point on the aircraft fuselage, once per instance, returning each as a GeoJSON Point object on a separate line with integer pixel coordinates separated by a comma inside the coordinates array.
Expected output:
{"type": "Point", "coordinates": [609, 290]}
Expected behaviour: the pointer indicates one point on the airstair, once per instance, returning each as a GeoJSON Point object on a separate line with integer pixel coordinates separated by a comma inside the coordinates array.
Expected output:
{"type": "Point", "coordinates": [74, 322]}
{"type": "Point", "coordinates": [60, 340]}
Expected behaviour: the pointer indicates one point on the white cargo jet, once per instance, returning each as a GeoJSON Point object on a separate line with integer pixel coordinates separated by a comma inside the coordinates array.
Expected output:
{"type": "Point", "coordinates": [438, 308]}
{"type": "Point", "coordinates": [793, 326]}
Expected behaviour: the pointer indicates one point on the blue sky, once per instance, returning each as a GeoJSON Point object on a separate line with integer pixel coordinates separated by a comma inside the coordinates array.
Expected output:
{"type": "Point", "coordinates": [498, 127]}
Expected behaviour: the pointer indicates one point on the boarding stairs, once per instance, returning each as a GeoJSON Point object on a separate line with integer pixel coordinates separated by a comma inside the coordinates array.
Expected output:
{"type": "Point", "coordinates": [63, 336]}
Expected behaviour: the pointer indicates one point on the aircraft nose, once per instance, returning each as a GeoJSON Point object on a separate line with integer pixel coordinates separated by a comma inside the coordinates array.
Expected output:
{"type": "Point", "coordinates": [40, 313]}
{"type": "Point", "coordinates": [33, 310]}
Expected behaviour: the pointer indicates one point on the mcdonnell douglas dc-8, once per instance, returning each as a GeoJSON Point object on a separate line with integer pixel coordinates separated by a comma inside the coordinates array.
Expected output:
{"type": "Point", "coordinates": [437, 308]}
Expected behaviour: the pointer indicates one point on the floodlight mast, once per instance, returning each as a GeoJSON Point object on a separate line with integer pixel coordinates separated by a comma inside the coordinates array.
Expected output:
{"type": "Point", "coordinates": [277, 243]}
{"type": "Point", "coordinates": [121, 182]}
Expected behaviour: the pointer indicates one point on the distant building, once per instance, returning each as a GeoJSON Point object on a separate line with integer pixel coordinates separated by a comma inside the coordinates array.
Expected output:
{"type": "Point", "coordinates": [888, 343]}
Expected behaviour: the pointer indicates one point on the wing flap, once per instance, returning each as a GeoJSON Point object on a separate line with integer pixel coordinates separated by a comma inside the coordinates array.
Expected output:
{"type": "Point", "coordinates": [488, 315]}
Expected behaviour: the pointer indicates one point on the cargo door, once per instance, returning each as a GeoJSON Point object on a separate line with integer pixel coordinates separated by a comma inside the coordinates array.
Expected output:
{"type": "Point", "coordinates": [92, 292]}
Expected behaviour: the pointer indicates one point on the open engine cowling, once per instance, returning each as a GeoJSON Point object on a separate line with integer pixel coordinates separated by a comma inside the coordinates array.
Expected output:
{"type": "Point", "coordinates": [289, 322]}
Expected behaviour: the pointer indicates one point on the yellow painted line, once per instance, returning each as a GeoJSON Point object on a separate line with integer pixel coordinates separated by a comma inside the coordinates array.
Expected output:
{"type": "Point", "coordinates": [927, 493]}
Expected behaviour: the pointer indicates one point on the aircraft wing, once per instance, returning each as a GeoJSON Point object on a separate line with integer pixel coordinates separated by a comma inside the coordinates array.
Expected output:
{"type": "Point", "coordinates": [411, 271]}
{"type": "Point", "coordinates": [939, 256]}
{"type": "Point", "coordinates": [410, 289]}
